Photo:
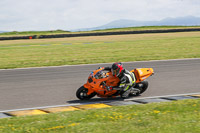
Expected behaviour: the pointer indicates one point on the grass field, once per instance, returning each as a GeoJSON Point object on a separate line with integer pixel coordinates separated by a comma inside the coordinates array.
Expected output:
{"type": "Point", "coordinates": [98, 49]}
{"type": "Point", "coordinates": [168, 117]}
{"type": "Point", "coordinates": [25, 33]}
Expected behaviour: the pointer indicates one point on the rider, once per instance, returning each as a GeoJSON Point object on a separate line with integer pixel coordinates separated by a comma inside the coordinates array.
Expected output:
{"type": "Point", "coordinates": [127, 79]}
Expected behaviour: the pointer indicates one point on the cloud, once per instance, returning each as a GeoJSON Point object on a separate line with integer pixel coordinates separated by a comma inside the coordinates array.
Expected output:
{"type": "Point", "coordinates": [23, 15]}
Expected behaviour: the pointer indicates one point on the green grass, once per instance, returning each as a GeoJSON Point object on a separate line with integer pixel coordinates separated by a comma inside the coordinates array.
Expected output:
{"type": "Point", "coordinates": [168, 117]}
{"type": "Point", "coordinates": [148, 28]}
{"type": "Point", "coordinates": [25, 33]}
{"type": "Point", "coordinates": [89, 50]}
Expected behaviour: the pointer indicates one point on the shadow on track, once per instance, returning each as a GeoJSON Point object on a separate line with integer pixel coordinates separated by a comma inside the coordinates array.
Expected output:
{"type": "Point", "coordinates": [99, 100]}
{"type": "Point", "coordinates": [96, 100]}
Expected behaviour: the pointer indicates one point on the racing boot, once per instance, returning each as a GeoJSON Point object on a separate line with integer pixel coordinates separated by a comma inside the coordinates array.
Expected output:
{"type": "Point", "coordinates": [125, 93]}
{"type": "Point", "coordinates": [135, 92]}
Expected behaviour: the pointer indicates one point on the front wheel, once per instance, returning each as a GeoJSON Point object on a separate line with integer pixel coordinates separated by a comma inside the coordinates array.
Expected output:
{"type": "Point", "coordinates": [81, 93]}
{"type": "Point", "coordinates": [142, 87]}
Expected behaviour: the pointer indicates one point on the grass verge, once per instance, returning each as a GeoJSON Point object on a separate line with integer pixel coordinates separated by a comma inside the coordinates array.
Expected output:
{"type": "Point", "coordinates": [167, 117]}
{"type": "Point", "coordinates": [99, 49]}
{"type": "Point", "coordinates": [26, 33]}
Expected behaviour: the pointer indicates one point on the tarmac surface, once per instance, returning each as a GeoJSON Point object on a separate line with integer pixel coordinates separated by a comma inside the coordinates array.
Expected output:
{"type": "Point", "coordinates": [35, 87]}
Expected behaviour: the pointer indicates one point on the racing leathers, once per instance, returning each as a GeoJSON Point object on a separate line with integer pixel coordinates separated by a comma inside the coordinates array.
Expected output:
{"type": "Point", "coordinates": [127, 81]}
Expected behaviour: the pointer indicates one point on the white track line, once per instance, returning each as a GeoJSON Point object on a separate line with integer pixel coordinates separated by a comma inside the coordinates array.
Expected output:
{"type": "Point", "coordinates": [39, 107]}
{"type": "Point", "coordinates": [162, 96]}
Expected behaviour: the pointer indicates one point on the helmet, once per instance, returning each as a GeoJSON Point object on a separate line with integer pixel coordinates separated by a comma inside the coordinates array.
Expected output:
{"type": "Point", "coordinates": [117, 68]}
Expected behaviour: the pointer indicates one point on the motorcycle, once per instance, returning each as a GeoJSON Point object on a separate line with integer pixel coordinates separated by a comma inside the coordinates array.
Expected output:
{"type": "Point", "coordinates": [98, 83]}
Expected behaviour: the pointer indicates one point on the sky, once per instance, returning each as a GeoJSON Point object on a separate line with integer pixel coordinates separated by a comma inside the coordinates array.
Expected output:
{"type": "Point", "coordinates": [41, 15]}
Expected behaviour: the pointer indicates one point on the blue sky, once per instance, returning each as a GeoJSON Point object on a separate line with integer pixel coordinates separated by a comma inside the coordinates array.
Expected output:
{"type": "Point", "coordinates": [26, 15]}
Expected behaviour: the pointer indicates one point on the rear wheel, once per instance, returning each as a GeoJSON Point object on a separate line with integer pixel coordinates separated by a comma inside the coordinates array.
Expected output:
{"type": "Point", "coordinates": [81, 93]}
{"type": "Point", "coordinates": [142, 87]}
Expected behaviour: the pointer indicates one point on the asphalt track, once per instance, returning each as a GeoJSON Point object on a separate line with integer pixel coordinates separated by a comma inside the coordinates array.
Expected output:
{"type": "Point", "coordinates": [36, 87]}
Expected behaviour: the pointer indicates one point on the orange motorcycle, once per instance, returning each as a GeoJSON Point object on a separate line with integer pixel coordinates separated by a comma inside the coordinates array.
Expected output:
{"type": "Point", "coordinates": [99, 81]}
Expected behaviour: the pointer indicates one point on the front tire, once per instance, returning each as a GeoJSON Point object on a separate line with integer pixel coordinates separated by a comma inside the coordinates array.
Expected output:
{"type": "Point", "coordinates": [81, 93]}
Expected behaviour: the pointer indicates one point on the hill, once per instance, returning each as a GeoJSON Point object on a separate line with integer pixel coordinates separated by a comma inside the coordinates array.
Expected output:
{"type": "Point", "coordinates": [121, 23]}
{"type": "Point", "coordinates": [2, 31]}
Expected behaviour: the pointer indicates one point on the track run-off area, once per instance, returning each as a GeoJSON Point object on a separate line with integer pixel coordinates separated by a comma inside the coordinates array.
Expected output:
{"type": "Point", "coordinates": [49, 86]}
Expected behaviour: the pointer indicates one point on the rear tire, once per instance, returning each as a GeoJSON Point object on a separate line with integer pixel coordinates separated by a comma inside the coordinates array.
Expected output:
{"type": "Point", "coordinates": [81, 93]}
{"type": "Point", "coordinates": [142, 86]}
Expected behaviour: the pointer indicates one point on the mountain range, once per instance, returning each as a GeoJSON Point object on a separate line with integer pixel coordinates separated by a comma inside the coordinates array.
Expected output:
{"type": "Point", "coordinates": [122, 23]}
